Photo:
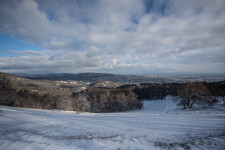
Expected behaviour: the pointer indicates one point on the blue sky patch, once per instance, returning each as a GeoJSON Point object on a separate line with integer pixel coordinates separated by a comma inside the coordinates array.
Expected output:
{"type": "Point", "coordinates": [9, 43]}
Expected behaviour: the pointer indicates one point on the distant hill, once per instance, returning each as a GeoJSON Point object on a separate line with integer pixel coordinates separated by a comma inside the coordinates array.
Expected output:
{"type": "Point", "coordinates": [93, 77]}
{"type": "Point", "coordinates": [77, 96]}
{"type": "Point", "coordinates": [69, 76]}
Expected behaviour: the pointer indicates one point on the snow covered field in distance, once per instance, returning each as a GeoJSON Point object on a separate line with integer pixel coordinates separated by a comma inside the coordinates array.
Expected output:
{"type": "Point", "coordinates": [159, 125]}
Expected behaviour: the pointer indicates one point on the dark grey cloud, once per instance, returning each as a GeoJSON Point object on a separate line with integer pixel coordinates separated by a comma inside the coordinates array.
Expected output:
{"type": "Point", "coordinates": [82, 35]}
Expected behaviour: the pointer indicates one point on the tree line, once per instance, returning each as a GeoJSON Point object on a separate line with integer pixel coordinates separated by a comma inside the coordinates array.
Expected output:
{"type": "Point", "coordinates": [124, 98]}
{"type": "Point", "coordinates": [187, 94]}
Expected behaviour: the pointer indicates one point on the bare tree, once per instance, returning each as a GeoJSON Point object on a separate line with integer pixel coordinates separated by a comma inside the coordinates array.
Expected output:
{"type": "Point", "coordinates": [5, 82]}
{"type": "Point", "coordinates": [194, 93]}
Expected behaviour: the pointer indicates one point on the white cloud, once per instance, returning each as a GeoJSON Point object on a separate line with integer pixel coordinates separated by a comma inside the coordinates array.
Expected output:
{"type": "Point", "coordinates": [102, 35]}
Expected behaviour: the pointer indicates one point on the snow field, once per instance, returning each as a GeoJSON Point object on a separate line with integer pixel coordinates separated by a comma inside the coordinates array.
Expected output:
{"type": "Point", "coordinates": [159, 125]}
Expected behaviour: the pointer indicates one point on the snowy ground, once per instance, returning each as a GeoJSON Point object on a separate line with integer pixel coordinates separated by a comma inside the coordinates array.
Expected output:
{"type": "Point", "coordinates": [160, 125]}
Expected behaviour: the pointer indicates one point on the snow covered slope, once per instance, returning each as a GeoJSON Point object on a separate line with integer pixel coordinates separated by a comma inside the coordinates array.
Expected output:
{"type": "Point", "coordinates": [159, 125]}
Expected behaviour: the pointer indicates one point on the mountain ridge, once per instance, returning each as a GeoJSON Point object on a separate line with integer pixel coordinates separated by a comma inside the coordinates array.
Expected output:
{"type": "Point", "coordinates": [93, 77]}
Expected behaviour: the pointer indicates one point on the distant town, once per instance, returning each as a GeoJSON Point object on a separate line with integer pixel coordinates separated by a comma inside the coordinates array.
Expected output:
{"type": "Point", "coordinates": [83, 81]}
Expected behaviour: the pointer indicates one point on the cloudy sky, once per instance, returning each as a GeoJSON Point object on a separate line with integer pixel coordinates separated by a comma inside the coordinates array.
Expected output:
{"type": "Point", "coordinates": [112, 36]}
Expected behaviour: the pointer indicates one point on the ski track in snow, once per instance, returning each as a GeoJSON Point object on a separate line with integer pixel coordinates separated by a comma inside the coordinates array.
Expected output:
{"type": "Point", "coordinates": [159, 125]}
